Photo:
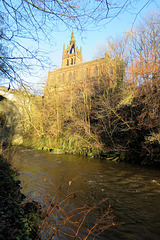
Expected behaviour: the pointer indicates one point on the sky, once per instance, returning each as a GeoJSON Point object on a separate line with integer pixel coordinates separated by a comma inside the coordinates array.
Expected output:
{"type": "Point", "coordinates": [90, 39]}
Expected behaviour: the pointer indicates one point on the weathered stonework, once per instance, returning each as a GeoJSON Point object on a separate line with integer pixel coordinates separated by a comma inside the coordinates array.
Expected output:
{"type": "Point", "coordinates": [16, 109]}
{"type": "Point", "coordinates": [71, 55]}
{"type": "Point", "coordinates": [75, 72]}
{"type": "Point", "coordinates": [11, 127]}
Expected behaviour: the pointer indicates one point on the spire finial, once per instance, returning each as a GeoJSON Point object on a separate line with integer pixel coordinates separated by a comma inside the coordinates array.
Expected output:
{"type": "Point", "coordinates": [72, 37]}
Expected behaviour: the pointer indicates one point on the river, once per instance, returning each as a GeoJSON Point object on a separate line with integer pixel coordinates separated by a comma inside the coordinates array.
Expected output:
{"type": "Point", "coordinates": [133, 191]}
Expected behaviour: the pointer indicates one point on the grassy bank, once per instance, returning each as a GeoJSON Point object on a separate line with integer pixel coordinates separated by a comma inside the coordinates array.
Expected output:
{"type": "Point", "coordinates": [142, 152]}
{"type": "Point", "coordinates": [116, 111]}
{"type": "Point", "coordinates": [18, 220]}
{"type": "Point", "coordinates": [64, 145]}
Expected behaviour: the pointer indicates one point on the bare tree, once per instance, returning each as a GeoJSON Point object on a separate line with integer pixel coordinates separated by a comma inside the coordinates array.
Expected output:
{"type": "Point", "coordinates": [144, 71]}
{"type": "Point", "coordinates": [30, 24]}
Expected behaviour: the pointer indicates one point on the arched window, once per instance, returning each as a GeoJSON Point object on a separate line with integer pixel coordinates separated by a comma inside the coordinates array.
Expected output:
{"type": "Point", "coordinates": [72, 50]}
{"type": "Point", "coordinates": [96, 71]}
{"type": "Point", "coordinates": [82, 73]}
{"type": "Point", "coordinates": [70, 76]}
{"type": "Point", "coordinates": [67, 62]}
{"type": "Point", "coordinates": [63, 77]}
{"type": "Point", "coordinates": [87, 72]}
{"type": "Point", "coordinates": [71, 61]}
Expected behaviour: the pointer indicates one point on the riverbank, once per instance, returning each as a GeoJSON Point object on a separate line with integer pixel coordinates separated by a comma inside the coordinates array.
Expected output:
{"type": "Point", "coordinates": [148, 155]}
{"type": "Point", "coordinates": [18, 219]}
{"type": "Point", "coordinates": [132, 191]}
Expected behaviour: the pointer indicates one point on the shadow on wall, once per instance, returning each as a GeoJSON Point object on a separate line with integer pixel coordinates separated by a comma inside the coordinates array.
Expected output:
{"type": "Point", "coordinates": [11, 129]}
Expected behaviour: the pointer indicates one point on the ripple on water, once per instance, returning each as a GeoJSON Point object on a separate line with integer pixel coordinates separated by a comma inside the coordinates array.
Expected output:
{"type": "Point", "coordinates": [133, 191]}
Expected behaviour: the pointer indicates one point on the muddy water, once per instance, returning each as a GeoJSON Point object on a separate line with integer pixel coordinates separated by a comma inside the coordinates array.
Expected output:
{"type": "Point", "coordinates": [132, 191]}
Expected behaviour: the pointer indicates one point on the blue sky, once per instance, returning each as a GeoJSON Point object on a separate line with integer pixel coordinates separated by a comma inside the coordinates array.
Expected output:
{"type": "Point", "coordinates": [90, 39]}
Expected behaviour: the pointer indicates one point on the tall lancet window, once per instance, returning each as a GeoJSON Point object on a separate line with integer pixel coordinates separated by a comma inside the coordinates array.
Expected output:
{"type": "Point", "coordinates": [71, 61]}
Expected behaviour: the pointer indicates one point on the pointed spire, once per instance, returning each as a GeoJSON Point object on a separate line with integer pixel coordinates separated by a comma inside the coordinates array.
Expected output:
{"type": "Point", "coordinates": [71, 53]}
{"type": "Point", "coordinates": [63, 53]}
{"type": "Point", "coordinates": [72, 37]}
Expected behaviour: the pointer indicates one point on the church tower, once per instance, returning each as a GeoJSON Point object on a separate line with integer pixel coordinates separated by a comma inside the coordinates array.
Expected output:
{"type": "Point", "coordinates": [71, 55]}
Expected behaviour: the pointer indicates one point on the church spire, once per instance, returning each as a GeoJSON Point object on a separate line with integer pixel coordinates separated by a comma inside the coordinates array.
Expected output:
{"type": "Point", "coordinates": [72, 35]}
{"type": "Point", "coordinates": [72, 38]}
{"type": "Point", "coordinates": [71, 55]}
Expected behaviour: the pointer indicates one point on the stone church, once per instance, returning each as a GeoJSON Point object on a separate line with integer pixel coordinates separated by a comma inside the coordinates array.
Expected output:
{"type": "Point", "coordinates": [74, 71]}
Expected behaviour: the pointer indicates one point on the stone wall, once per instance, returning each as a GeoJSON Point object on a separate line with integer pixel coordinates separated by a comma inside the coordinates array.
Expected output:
{"type": "Point", "coordinates": [11, 129]}
{"type": "Point", "coordinates": [92, 73]}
